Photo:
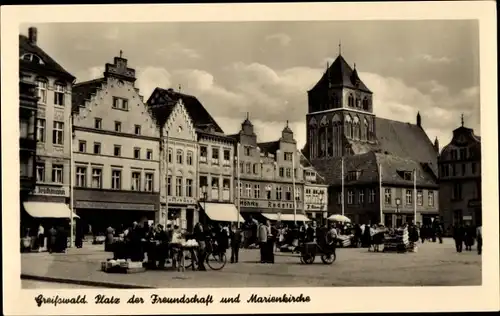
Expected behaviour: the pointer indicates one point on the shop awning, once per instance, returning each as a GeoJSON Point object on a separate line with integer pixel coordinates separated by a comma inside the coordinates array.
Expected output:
{"type": "Point", "coordinates": [222, 212]}
{"type": "Point", "coordinates": [286, 217]}
{"type": "Point", "coordinates": [48, 210]}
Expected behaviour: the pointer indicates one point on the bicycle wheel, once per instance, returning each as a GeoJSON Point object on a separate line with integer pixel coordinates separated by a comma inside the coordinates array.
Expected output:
{"type": "Point", "coordinates": [216, 261]}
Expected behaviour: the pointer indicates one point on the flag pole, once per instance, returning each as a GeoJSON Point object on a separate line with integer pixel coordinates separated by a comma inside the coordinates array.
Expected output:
{"type": "Point", "coordinates": [238, 184]}
{"type": "Point", "coordinates": [381, 196]}
{"type": "Point", "coordinates": [293, 185]}
{"type": "Point", "coordinates": [342, 175]}
{"type": "Point", "coordinates": [415, 195]}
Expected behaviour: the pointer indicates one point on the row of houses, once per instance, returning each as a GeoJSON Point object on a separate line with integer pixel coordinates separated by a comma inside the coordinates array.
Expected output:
{"type": "Point", "coordinates": [99, 147]}
{"type": "Point", "coordinates": [115, 157]}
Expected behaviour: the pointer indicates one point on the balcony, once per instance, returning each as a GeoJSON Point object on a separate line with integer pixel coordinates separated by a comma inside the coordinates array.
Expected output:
{"type": "Point", "coordinates": [27, 96]}
{"type": "Point", "coordinates": [27, 144]}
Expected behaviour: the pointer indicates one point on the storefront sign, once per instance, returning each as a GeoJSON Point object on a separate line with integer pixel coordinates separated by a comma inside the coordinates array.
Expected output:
{"type": "Point", "coordinates": [114, 206]}
{"type": "Point", "coordinates": [270, 204]}
{"type": "Point", "coordinates": [181, 200]}
{"type": "Point", "coordinates": [314, 207]}
{"type": "Point", "coordinates": [49, 191]}
{"type": "Point", "coordinates": [467, 218]}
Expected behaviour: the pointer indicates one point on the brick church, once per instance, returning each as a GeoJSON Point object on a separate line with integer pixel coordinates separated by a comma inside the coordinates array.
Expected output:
{"type": "Point", "coordinates": [343, 128]}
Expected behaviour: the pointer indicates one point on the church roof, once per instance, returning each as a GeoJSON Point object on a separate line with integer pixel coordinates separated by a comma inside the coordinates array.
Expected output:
{"type": "Point", "coordinates": [340, 74]}
{"type": "Point", "coordinates": [162, 108]}
{"type": "Point", "coordinates": [49, 66]}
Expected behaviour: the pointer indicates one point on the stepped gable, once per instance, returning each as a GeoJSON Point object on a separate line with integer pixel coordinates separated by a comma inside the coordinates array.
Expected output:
{"type": "Point", "coordinates": [340, 74]}
{"type": "Point", "coordinates": [83, 91]}
{"type": "Point", "coordinates": [49, 66]}
{"type": "Point", "coordinates": [162, 102]}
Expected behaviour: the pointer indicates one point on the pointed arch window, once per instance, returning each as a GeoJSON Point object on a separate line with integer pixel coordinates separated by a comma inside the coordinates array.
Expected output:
{"type": "Point", "coordinates": [348, 124]}
{"type": "Point", "coordinates": [365, 104]}
{"type": "Point", "coordinates": [351, 100]}
{"type": "Point", "coordinates": [366, 130]}
{"type": "Point", "coordinates": [355, 127]}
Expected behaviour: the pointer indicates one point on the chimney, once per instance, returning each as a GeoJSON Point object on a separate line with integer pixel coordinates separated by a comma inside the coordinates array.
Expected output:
{"type": "Point", "coordinates": [32, 35]}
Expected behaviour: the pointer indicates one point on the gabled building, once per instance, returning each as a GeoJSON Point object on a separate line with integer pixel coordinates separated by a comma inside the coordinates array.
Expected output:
{"type": "Point", "coordinates": [460, 179]}
{"type": "Point", "coordinates": [266, 176]}
{"type": "Point", "coordinates": [342, 128]}
{"type": "Point", "coordinates": [45, 138]}
{"type": "Point", "coordinates": [315, 192]}
{"type": "Point", "coordinates": [116, 149]}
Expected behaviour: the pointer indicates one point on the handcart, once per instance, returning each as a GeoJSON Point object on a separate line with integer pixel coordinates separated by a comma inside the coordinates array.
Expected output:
{"type": "Point", "coordinates": [310, 250]}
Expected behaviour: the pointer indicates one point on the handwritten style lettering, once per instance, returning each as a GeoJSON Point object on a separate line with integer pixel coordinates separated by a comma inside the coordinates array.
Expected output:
{"type": "Point", "coordinates": [279, 299]}
{"type": "Point", "coordinates": [103, 299]}
{"type": "Point", "coordinates": [156, 299]}
{"type": "Point", "coordinates": [230, 300]}
{"type": "Point", "coordinates": [55, 300]}
{"type": "Point", "coordinates": [135, 300]}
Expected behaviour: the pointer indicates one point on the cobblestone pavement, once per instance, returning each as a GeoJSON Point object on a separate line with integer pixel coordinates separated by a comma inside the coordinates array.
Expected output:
{"type": "Point", "coordinates": [434, 264]}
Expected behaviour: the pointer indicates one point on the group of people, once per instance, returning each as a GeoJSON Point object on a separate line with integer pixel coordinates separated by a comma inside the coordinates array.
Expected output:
{"type": "Point", "coordinates": [55, 239]}
{"type": "Point", "coordinates": [467, 235]}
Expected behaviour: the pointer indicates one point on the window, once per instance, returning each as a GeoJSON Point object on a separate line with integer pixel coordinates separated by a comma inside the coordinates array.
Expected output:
{"type": "Point", "coordinates": [215, 183]}
{"type": "Point", "coordinates": [430, 198]}
{"type": "Point", "coordinates": [388, 196]}
{"type": "Point", "coordinates": [40, 130]}
{"type": "Point", "coordinates": [242, 168]}
{"type": "Point", "coordinates": [40, 172]}
{"type": "Point", "coordinates": [137, 153]}
{"type": "Point", "coordinates": [136, 181]}
{"type": "Point", "coordinates": [23, 127]}
{"type": "Point", "coordinates": [57, 173]}
{"type": "Point", "coordinates": [240, 188]}
{"type": "Point", "coordinates": [282, 172]}
{"type": "Point", "coordinates": [137, 129]}
{"type": "Point", "coordinates": [453, 154]}
{"type": "Point", "coordinates": [297, 194]}
{"type": "Point", "coordinates": [118, 126]}
{"type": "Point", "coordinates": [149, 182]}
{"type": "Point", "coordinates": [226, 183]}
{"type": "Point", "coordinates": [361, 197]}
{"type": "Point", "coordinates": [178, 186]}
{"type": "Point", "coordinates": [169, 185]}
{"type": "Point", "coordinates": [473, 168]}
{"type": "Point", "coordinates": [352, 176]}
{"type": "Point", "coordinates": [170, 154]}
{"type": "Point", "coordinates": [179, 156]}
{"type": "Point", "coordinates": [351, 100]}
{"type": "Point", "coordinates": [288, 194]}
{"type": "Point", "coordinates": [288, 172]}
{"type": "Point", "coordinates": [117, 150]}
{"type": "Point", "coordinates": [32, 58]}
{"type": "Point", "coordinates": [445, 170]}
{"type": "Point", "coordinates": [81, 177]}
{"type": "Point", "coordinates": [278, 193]}
{"type": "Point", "coordinates": [97, 148]}
{"type": "Point", "coordinates": [149, 154]}
{"type": "Point", "coordinates": [456, 193]}
{"type": "Point", "coordinates": [464, 169]}
{"type": "Point", "coordinates": [350, 196]}
{"type": "Point", "coordinates": [420, 197]}
{"type": "Point", "coordinates": [120, 103]}
{"type": "Point", "coordinates": [41, 90]}
{"type": "Point", "coordinates": [59, 94]}
{"type": "Point", "coordinates": [288, 156]}
{"type": "Point", "coordinates": [96, 178]}
{"type": "Point", "coordinates": [463, 153]}
{"type": "Point", "coordinates": [339, 197]}
{"type": "Point", "coordinates": [248, 190]}
{"type": "Point", "coordinates": [82, 146]}
{"type": "Point", "coordinates": [407, 175]}
{"type": "Point", "coordinates": [189, 158]}
{"type": "Point", "coordinates": [116, 179]}
{"type": "Point", "coordinates": [203, 154]}
{"type": "Point", "coordinates": [97, 123]}
{"type": "Point", "coordinates": [249, 166]}
{"type": "Point", "coordinates": [58, 133]}
{"type": "Point", "coordinates": [189, 187]}
{"type": "Point", "coordinates": [227, 157]}
{"type": "Point", "coordinates": [215, 156]}
{"type": "Point", "coordinates": [255, 168]}
{"type": "Point", "coordinates": [248, 150]}
{"type": "Point", "coordinates": [268, 191]}
{"type": "Point", "coordinates": [256, 191]}
{"type": "Point", "coordinates": [409, 197]}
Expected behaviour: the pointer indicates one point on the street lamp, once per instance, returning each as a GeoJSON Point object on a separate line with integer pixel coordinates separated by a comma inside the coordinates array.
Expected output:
{"type": "Point", "coordinates": [204, 197]}
{"type": "Point", "coordinates": [398, 203]}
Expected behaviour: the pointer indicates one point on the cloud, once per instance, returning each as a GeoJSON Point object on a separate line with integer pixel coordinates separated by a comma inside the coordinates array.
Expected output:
{"type": "Point", "coordinates": [281, 38]}
{"type": "Point", "coordinates": [432, 59]}
{"type": "Point", "coordinates": [176, 51]}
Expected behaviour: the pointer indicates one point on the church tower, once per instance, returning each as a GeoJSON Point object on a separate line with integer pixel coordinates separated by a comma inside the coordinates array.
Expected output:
{"type": "Point", "coordinates": [340, 118]}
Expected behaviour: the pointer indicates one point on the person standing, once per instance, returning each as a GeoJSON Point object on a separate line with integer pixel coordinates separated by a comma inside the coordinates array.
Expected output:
{"type": "Point", "coordinates": [458, 236]}
{"type": "Point", "coordinates": [235, 236]}
{"type": "Point", "coordinates": [41, 237]}
{"type": "Point", "coordinates": [469, 237]}
{"type": "Point", "coordinates": [52, 239]}
{"type": "Point", "coordinates": [271, 239]}
{"type": "Point", "coordinates": [109, 238]}
{"type": "Point", "coordinates": [479, 236]}
{"type": "Point", "coordinates": [262, 235]}
{"type": "Point", "coordinates": [200, 236]}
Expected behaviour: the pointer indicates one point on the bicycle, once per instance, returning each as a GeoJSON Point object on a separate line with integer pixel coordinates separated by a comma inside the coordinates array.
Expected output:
{"type": "Point", "coordinates": [215, 259]}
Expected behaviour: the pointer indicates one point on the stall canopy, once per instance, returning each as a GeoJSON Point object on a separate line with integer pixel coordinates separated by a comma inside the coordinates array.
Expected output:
{"type": "Point", "coordinates": [48, 210]}
{"type": "Point", "coordinates": [222, 212]}
{"type": "Point", "coordinates": [286, 217]}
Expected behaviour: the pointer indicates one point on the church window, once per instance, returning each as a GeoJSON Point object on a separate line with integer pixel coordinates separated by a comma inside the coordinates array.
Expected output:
{"type": "Point", "coordinates": [351, 100]}
{"type": "Point", "coordinates": [355, 127]}
{"type": "Point", "coordinates": [348, 123]}
{"type": "Point", "coordinates": [365, 104]}
{"type": "Point", "coordinates": [366, 133]}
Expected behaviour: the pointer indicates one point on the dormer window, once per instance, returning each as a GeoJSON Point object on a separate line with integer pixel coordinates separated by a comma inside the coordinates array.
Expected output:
{"type": "Point", "coordinates": [32, 58]}
{"type": "Point", "coordinates": [353, 175]}
{"type": "Point", "coordinates": [407, 175]}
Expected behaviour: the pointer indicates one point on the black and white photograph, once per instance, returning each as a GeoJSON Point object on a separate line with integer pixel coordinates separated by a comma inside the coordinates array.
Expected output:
{"type": "Point", "coordinates": [277, 153]}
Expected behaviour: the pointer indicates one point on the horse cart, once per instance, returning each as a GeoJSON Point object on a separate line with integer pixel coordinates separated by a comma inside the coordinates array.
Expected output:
{"type": "Point", "coordinates": [310, 250]}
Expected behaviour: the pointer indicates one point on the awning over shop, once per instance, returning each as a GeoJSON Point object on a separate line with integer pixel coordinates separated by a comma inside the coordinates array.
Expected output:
{"type": "Point", "coordinates": [48, 210]}
{"type": "Point", "coordinates": [222, 212]}
{"type": "Point", "coordinates": [286, 217]}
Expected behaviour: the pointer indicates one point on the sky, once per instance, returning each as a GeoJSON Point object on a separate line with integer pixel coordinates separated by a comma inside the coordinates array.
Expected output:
{"type": "Point", "coordinates": [266, 68]}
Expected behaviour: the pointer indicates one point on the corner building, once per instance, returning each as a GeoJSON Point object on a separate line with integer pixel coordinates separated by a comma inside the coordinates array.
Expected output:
{"type": "Point", "coordinates": [460, 179]}
{"type": "Point", "coordinates": [342, 129]}
{"type": "Point", "coordinates": [116, 151]}
{"type": "Point", "coordinates": [45, 134]}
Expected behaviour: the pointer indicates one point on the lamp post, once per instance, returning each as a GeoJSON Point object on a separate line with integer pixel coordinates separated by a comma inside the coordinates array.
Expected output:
{"type": "Point", "coordinates": [398, 203]}
{"type": "Point", "coordinates": [204, 197]}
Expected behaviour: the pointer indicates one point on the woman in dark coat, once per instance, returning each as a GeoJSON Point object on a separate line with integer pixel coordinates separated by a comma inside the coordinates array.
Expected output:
{"type": "Point", "coordinates": [469, 237]}
{"type": "Point", "coordinates": [367, 237]}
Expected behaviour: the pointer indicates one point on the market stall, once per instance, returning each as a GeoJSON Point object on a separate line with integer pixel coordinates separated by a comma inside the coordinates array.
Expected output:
{"type": "Point", "coordinates": [397, 240]}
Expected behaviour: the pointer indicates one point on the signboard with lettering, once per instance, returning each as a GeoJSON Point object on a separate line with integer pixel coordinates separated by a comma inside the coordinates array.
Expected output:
{"type": "Point", "coordinates": [181, 200]}
{"type": "Point", "coordinates": [115, 206]}
{"type": "Point", "coordinates": [49, 191]}
{"type": "Point", "coordinates": [270, 204]}
{"type": "Point", "coordinates": [314, 207]}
